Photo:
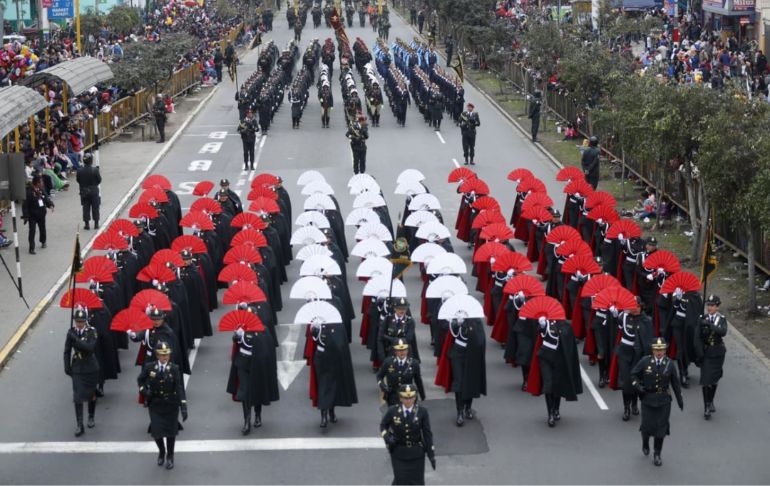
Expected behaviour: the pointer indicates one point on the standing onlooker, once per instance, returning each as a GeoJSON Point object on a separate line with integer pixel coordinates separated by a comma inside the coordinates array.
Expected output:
{"type": "Point", "coordinates": [534, 114]}
{"type": "Point", "coordinates": [159, 112]}
{"type": "Point", "coordinates": [421, 20]}
{"type": "Point", "coordinates": [34, 210]}
{"type": "Point", "coordinates": [590, 162]}
{"type": "Point", "coordinates": [88, 178]}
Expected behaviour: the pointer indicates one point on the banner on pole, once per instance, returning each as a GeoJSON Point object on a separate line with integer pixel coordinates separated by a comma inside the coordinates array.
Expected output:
{"type": "Point", "coordinates": [61, 9]}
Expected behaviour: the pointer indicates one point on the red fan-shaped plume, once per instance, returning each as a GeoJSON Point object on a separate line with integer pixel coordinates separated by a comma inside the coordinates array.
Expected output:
{"type": "Point", "coordinates": [562, 233]}
{"type": "Point", "coordinates": [203, 188]}
{"type": "Point", "coordinates": [461, 174]}
{"type": "Point", "coordinates": [264, 205]}
{"type": "Point", "coordinates": [488, 250]}
{"type": "Point", "coordinates": [485, 202]}
{"type": "Point", "coordinates": [238, 319]}
{"type": "Point", "coordinates": [189, 242]}
{"type": "Point", "coordinates": [537, 213]}
{"type": "Point", "coordinates": [474, 185]}
{"type": "Point", "coordinates": [533, 184]}
{"type": "Point", "coordinates": [248, 220]}
{"type": "Point", "coordinates": [96, 269]}
{"type": "Point", "coordinates": [528, 284]}
{"type": "Point", "coordinates": [131, 319]}
{"type": "Point", "coordinates": [543, 306]}
{"type": "Point", "coordinates": [262, 191]}
{"type": "Point", "coordinates": [617, 297]}
{"type": "Point", "coordinates": [487, 216]}
{"type": "Point", "coordinates": [156, 180]}
{"type": "Point", "coordinates": [570, 173]}
{"type": "Point", "coordinates": [663, 259]}
{"type": "Point", "coordinates": [579, 186]}
{"type": "Point", "coordinates": [519, 174]}
{"type": "Point", "coordinates": [166, 255]}
{"type": "Point", "coordinates": [537, 199]}
{"type": "Point", "coordinates": [206, 205]}
{"type": "Point", "coordinates": [600, 198]}
{"type": "Point", "coordinates": [581, 263]}
{"type": "Point", "coordinates": [142, 210]}
{"type": "Point", "coordinates": [575, 246]}
{"type": "Point", "coordinates": [629, 229]}
{"type": "Point", "coordinates": [110, 241]}
{"type": "Point", "coordinates": [197, 220]}
{"type": "Point", "coordinates": [242, 254]}
{"type": "Point", "coordinates": [606, 214]}
{"type": "Point", "coordinates": [265, 179]}
{"type": "Point", "coordinates": [597, 283]}
{"type": "Point", "coordinates": [156, 271]}
{"type": "Point", "coordinates": [151, 299]}
{"type": "Point", "coordinates": [686, 281]}
{"type": "Point", "coordinates": [496, 232]}
{"type": "Point", "coordinates": [124, 228]}
{"type": "Point", "coordinates": [80, 298]}
{"type": "Point", "coordinates": [153, 194]}
{"type": "Point", "coordinates": [243, 291]}
{"type": "Point", "coordinates": [249, 237]}
{"type": "Point", "coordinates": [235, 272]}
{"type": "Point", "coordinates": [512, 261]}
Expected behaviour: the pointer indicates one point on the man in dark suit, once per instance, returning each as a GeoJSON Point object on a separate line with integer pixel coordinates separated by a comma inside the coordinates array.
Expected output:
{"type": "Point", "coordinates": [89, 178]}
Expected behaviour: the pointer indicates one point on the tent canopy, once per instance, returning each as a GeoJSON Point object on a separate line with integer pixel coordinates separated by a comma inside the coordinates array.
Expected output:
{"type": "Point", "coordinates": [17, 104]}
{"type": "Point", "coordinates": [79, 74]}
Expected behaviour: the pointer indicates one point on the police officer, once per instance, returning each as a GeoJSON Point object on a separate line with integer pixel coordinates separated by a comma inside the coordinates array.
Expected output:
{"type": "Point", "coordinates": [34, 210]}
{"type": "Point", "coordinates": [652, 376]}
{"type": "Point", "coordinates": [159, 112]}
{"type": "Point", "coordinates": [162, 386]}
{"type": "Point", "coordinates": [224, 185]}
{"type": "Point", "coordinates": [534, 114]}
{"type": "Point", "coordinates": [248, 129]}
{"type": "Point", "coordinates": [469, 120]}
{"type": "Point", "coordinates": [590, 162]}
{"type": "Point", "coordinates": [710, 351]}
{"type": "Point", "coordinates": [88, 178]}
{"type": "Point", "coordinates": [408, 437]}
{"type": "Point", "coordinates": [81, 365]}
{"type": "Point", "coordinates": [399, 370]}
{"type": "Point", "coordinates": [358, 133]}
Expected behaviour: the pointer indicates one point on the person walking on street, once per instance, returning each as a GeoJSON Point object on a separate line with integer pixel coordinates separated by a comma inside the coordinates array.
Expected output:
{"type": "Point", "coordinates": [421, 20]}
{"type": "Point", "coordinates": [159, 112]}
{"type": "Point", "coordinates": [534, 114]}
{"type": "Point", "coordinates": [89, 178]}
{"type": "Point", "coordinates": [469, 120]}
{"type": "Point", "coordinates": [590, 162]}
{"type": "Point", "coordinates": [35, 207]}
{"type": "Point", "coordinates": [81, 365]}
{"type": "Point", "coordinates": [450, 49]}
{"type": "Point", "coordinates": [358, 133]}
{"type": "Point", "coordinates": [218, 62]}
{"type": "Point", "coordinates": [710, 351]}
{"type": "Point", "coordinates": [398, 370]}
{"type": "Point", "coordinates": [248, 129]}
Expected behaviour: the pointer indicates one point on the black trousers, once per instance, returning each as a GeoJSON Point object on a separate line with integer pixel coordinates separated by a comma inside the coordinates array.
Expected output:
{"type": "Point", "coordinates": [248, 151]}
{"type": "Point", "coordinates": [161, 128]}
{"type": "Point", "coordinates": [91, 203]}
{"type": "Point", "coordinates": [359, 158]}
{"type": "Point", "coordinates": [469, 145]}
{"type": "Point", "coordinates": [33, 225]}
{"type": "Point", "coordinates": [535, 127]}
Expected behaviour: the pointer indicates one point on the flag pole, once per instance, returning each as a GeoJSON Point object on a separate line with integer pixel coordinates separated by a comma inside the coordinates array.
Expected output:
{"type": "Point", "coordinates": [75, 268]}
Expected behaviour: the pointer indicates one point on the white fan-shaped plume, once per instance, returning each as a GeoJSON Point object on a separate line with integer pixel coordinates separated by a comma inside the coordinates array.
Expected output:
{"type": "Point", "coordinates": [432, 231]}
{"type": "Point", "coordinates": [357, 178]}
{"type": "Point", "coordinates": [381, 286]}
{"type": "Point", "coordinates": [461, 307]}
{"type": "Point", "coordinates": [410, 188]}
{"type": "Point", "coordinates": [372, 267]}
{"type": "Point", "coordinates": [365, 186]}
{"type": "Point", "coordinates": [311, 250]}
{"type": "Point", "coordinates": [320, 265]}
{"type": "Point", "coordinates": [318, 312]}
{"type": "Point", "coordinates": [309, 176]}
{"type": "Point", "coordinates": [373, 230]}
{"type": "Point", "coordinates": [424, 201]}
{"type": "Point", "coordinates": [360, 216]}
{"type": "Point", "coordinates": [307, 235]}
{"type": "Point", "coordinates": [312, 218]}
{"type": "Point", "coordinates": [410, 175]}
{"type": "Point", "coordinates": [370, 247]}
{"type": "Point", "coordinates": [317, 187]}
{"type": "Point", "coordinates": [418, 218]}
{"type": "Point", "coordinates": [426, 252]}
{"type": "Point", "coordinates": [446, 264]}
{"type": "Point", "coordinates": [310, 288]}
{"type": "Point", "coordinates": [368, 200]}
{"type": "Point", "coordinates": [446, 286]}
{"type": "Point", "coordinates": [319, 202]}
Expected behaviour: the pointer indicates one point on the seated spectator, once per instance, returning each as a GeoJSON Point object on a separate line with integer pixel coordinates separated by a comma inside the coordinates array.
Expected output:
{"type": "Point", "coordinates": [646, 206]}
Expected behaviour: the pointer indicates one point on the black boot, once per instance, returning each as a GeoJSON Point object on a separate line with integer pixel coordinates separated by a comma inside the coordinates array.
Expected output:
{"type": "Point", "coordinates": [466, 160]}
{"type": "Point", "coordinates": [324, 419]}
{"type": "Point", "coordinates": [556, 406]}
{"type": "Point", "coordinates": [460, 419]}
{"type": "Point", "coordinates": [602, 383]}
{"type": "Point", "coordinates": [711, 398]}
{"type": "Point", "coordinates": [86, 227]}
{"type": "Point", "coordinates": [658, 447]}
{"type": "Point", "coordinates": [459, 406]}
{"type": "Point", "coordinates": [332, 416]}
{"type": "Point", "coordinates": [170, 448]}
{"type": "Point", "coordinates": [257, 416]}
{"type": "Point", "coordinates": [161, 451]}
{"type": "Point", "coordinates": [79, 419]}
{"type": "Point", "coordinates": [524, 376]}
{"type": "Point", "coordinates": [626, 408]}
{"type": "Point", "coordinates": [645, 444]}
{"type": "Point", "coordinates": [549, 406]}
{"type": "Point", "coordinates": [91, 412]}
{"type": "Point", "coordinates": [96, 224]}
{"type": "Point", "coordinates": [246, 418]}
{"type": "Point", "coordinates": [683, 374]}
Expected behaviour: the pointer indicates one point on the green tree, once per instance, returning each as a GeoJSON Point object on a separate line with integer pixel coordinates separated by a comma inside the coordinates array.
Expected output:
{"type": "Point", "coordinates": [122, 19]}
{"type": "Point", "coordinates": [148, 64]}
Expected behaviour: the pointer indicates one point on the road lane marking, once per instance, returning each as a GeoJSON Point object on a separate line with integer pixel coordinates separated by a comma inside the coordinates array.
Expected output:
{"type": "Point", "coordinates": [208, 135]}
{"type": "Point", "coordinates": [288, 367]}
{"type": "Point", "coordinates": [438, 134]}
{"type": "Point", "coordinates": [199, 165]}
{"type": "Point", "coordinates": [456, 163]}
{"type": "Point", "coordinates": [148, 447]}
{"type": "Point", "coordinates": [240, 182]}
{"type": "Point", "coordinates": [591, 388]}
{"type": "Point", "coordinates": [210, 148]}
{"type": "Point", "coordinates": [191, 359]}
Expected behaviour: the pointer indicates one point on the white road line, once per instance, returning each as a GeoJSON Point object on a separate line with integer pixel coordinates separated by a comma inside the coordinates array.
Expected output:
{"type": "Point", "coordinates": [456, 163]}
{"type": "Point", "coordinates": [438, 134]}
{"type": "Point", "coordinates": [262, 142]}
{"type": "Point", "coordinates": [191, 358]}
{"type": "Point", "coordinates": [244, 172]}
{"type": "Point", "coordinates": [207, 135]}
{"type": "Point", "coordinates": [240, 182]}
{"type": "Point", "coordinates": [148, 447]}
{"type": "Point", "coordinates": [258, 156]}
{"type": "Point", "coordinates": [591, 388]}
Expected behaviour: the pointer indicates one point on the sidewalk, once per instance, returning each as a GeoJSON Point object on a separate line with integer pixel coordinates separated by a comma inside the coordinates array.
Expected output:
{"type": "Point", "coordinates": [122, 162]}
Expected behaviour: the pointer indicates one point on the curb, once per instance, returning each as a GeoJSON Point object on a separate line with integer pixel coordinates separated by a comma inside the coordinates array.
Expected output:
{"type": "Point", "coordinates": [13, 343]}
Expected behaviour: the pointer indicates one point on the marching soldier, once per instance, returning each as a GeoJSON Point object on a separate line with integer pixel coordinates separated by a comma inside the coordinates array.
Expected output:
{"type": "Point", "coordinates": [248, 129]}
{"type": "Point", "coordinates": [653, 375]}
{"type": "Point", "coordinates": [636, 335]}
{"type": "Point", "coordinates": [710, 351]}
{"type": "Point", "coordinates": [395, 328]}
{"type": "Point", "coordinates": [469, 120]}
{"type": "Point", "coordinates": [332, 380]}
{"type": "Point", "coordinates": [358, 133]}
{"type": "Point", "coordinates": [81, 365]}
{"type": "Point", "coordinates": [407, 434]}
{"type": "Point", "coordinates": [224, 185]}
{"type": "Point", "coordinates": [88, 178]}
{"type": "Point", "coordinates": [162, 386]}
{"type": "Point", "coordinates": [399, 370]}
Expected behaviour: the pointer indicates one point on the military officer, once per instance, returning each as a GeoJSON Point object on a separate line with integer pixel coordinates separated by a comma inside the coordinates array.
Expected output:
{"type": "Point", "coordinates": [224, 185]}
{"type": "Point", "coordinates": [710, 351]}
{"type": "Point", "coordinates": [407, 434]}
{"type": "Point", "coordinates": [652, 376]}
{"type": "Point", "coordinates": [358, 133]}
{"type": "Point", "coordinates": [162, 386]}
{"type": "Point", "coordinates": [248, 129]}
{"type": "Point", "coordinates": [81, 365]}
{"type": "Point", "coordinates": [469, 120]}
{"type": "Point", "coordinates": [399, 370]}
{"type": "Point", "coordinates": [396, 327]}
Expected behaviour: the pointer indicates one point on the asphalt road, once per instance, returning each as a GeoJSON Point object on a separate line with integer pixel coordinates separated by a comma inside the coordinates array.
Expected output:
{"type": "Point", "coordinates": [508, 443]}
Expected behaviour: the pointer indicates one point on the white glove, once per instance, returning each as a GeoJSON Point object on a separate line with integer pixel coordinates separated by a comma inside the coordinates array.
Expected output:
{"type": "Point", "coordinates": [678, 293]}
{"type": "Point", "coordinates": [240, 332]}
{"type": "Point", "coordinates": [650, 277]}
{"type": "Point", "coordinates": [542, 321]}
{"type": "Point", "coordinates": [614, 311]}
{"type": "Point", "coordinates": [131, 334]}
